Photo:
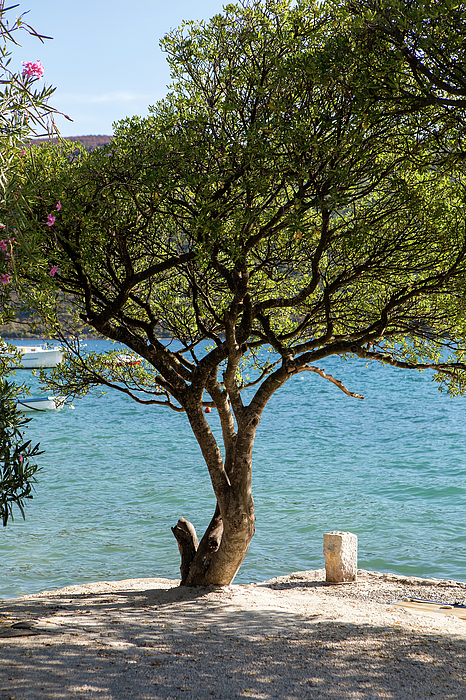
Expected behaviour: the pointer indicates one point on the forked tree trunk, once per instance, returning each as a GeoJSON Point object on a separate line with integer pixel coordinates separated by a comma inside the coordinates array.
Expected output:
{"type": "Point", "coordinates": [219, 555]}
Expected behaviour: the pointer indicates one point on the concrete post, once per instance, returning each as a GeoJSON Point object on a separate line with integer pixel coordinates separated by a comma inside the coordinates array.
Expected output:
{"type": "Point", "coordinates": [341, 557]}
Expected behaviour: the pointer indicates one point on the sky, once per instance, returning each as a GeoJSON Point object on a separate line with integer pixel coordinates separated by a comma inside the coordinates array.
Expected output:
{"type": "Point", "coordinates": [104, 59]}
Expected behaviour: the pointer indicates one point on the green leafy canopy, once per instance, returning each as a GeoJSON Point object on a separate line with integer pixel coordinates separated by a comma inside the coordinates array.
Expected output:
{"type": "Point", "coordinates": [275, 197]}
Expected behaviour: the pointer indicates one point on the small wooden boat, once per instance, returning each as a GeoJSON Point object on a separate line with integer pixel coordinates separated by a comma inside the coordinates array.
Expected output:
{"type": "Point", "coordinates": [41, 403]}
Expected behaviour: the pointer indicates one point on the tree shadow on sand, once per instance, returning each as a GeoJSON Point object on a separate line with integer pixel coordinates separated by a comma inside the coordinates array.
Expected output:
{"type": "Point", "coordinates": [175, 644]}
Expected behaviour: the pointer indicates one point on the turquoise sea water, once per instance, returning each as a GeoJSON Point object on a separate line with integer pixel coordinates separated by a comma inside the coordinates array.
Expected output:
{"type": "Point", "coordinates": [116, 476]}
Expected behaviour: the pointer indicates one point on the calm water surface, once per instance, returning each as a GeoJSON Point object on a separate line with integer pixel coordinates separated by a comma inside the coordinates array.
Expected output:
{"type": "Point", "coordinates": [116, 476]}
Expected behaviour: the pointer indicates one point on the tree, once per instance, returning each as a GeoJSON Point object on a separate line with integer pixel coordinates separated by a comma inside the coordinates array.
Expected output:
{"type": "Point", "coordinates": [426, 39]}
{"type": "Point", "coordinates": [17, 457]}
{"type": "Point", "coordinates": [270, 201]}
{"type": "Point", "coordinates": [422, 45]}
{"type": "Point", "coordinates": [24, 112]}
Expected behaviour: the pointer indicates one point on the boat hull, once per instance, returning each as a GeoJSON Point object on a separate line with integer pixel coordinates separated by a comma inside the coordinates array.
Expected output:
{"type": "Point", "coordinates": [35, 357]}
{"type": "Point", "coordinates": [43, 358]}
{"type": "Point", "coordinates": [46, 403]}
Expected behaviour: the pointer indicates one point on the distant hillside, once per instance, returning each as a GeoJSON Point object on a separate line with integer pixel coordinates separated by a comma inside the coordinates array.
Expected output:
{"type": "Point", "coordinates": [26, 325]}
{"type": "Point", "coordinates": [90, 142]}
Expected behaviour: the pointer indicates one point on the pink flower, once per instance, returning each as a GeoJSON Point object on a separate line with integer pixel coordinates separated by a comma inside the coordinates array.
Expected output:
{"type": "Point", "coordinates": [33, 70]}
{"type": "Point", "coordinates": [53, 271]}
{"type": "Point", "coordinates": [2, 226]}
{"type": "Point", "coordinates": [50, 220]}
{"type": "Point", "coordinates": [3, 246]}
{"type": "Point", "coordinates": [58, 205]}
{"type": "Point", "coordinates": [5, 279]}
{"type": "Point", "coordinates": [20, 459]}
{"type": "Point", "coordinates": [23, 153]}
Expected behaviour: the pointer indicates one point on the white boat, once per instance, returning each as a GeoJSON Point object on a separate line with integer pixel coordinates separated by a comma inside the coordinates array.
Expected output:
{"type": "Point", "coordinates": [33, 356]}
{"type": "Point", "coordinates": [123, 360]}
{"type": "Point", "coordinates": [41, 403]}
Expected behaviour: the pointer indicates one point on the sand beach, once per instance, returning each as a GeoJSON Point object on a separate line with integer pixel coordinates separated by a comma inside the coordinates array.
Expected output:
{"type": "Point", "coordinates": [289, 638]}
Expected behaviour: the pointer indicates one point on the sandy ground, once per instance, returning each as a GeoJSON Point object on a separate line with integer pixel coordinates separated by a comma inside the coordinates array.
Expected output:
{"type": "Point", "coordinates": [290, 638]}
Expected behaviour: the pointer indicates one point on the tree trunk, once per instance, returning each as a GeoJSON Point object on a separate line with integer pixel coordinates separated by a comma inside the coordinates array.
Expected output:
{"type": "Point", "coordinates": [186, 537]}
{"type": "Point", "coordinates": [216, 560]}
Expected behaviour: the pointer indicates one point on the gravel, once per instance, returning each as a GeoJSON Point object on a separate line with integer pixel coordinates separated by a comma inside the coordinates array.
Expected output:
{"type": "Point", "coordinates": [378, 587]}
{"type": "Point", "coordinates": [291, 638]}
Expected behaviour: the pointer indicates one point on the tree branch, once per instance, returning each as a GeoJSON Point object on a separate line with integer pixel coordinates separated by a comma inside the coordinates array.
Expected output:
{"type": "Point", "coordinates": [324, 375]}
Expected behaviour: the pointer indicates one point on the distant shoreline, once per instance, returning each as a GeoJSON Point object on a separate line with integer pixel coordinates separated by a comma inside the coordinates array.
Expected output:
{"type": "Point", "coordinates": [43, 338]}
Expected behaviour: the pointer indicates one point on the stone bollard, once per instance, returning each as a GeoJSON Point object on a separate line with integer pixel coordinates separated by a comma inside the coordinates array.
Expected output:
{"type": "Point", "coordinates": [341, 557]}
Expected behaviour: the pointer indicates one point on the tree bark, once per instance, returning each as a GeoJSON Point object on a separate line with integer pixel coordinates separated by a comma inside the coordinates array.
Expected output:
{"type": "Point", "coordinates": [226, 541]}
{"type": "Point", "coordinates": [222, 549]}
{"type": "Point", "coordinates": [186, 537]}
